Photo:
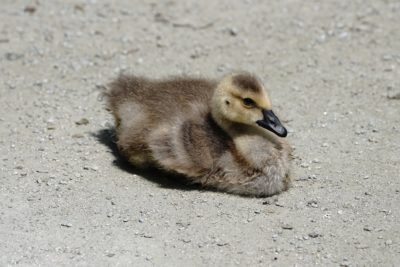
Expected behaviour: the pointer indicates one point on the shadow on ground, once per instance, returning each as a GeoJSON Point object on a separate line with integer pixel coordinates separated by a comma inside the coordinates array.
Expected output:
{"type": "Point", "coordinates": [166, 180]}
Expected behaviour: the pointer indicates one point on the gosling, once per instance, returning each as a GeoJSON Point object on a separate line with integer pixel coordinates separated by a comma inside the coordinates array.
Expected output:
{"type": "Point", "coordinates": [219, 134]}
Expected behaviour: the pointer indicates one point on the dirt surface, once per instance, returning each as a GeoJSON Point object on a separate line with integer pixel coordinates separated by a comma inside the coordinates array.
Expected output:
{"type": "Point", "coordinates": [332, 69]}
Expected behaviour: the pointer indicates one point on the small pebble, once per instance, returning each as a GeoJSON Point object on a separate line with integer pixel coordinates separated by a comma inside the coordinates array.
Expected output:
{"type": "Point", "coordinates": [82, 121]}
{"type": "Point", "coordinates": [313, 235]}
{"type": "Point", "coordinates": [394, 96]}
{"type": "Point", "coordinates": [387, 57]}
{"type": "Point", "coordinates": [30, 9]}
{"type": "Point", "coordinates": [233, 31]}
{"type": "Point", "coordinates": [343, 35]}
{"type": "Point", "coordinates": [13, 56]}
{"type": "Point", "coordinates": [286, 226]}
{"type": "Point", "coordinates": [94, 168]}
{"type": "Point", "coordinates": [312, 203]}
{"type": "Point", "coordinates": [268, 202]}
{"type": "Point", "coordinates": [68, 225]}
{"type": "Point", "coordinates": [304, 165]}
{"type": "Point", "coordinates": [51, 126]}
{"type": "Point", "coordinates": [368, 228]}
{"type": "Point", "coordinates": [312, 177]}
{"type": "Point", "coordinates": [388, 242]}
{"type": "Point", "coordinates": [361, 246]}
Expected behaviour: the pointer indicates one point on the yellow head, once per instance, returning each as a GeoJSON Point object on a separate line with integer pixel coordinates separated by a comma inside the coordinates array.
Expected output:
{"type": "Point", "coordinates": [241, 98]}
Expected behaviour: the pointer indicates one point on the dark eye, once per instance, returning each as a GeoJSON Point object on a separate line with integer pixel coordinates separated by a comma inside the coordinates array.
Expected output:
{"type": "Point", "coordinates": [248, 102]}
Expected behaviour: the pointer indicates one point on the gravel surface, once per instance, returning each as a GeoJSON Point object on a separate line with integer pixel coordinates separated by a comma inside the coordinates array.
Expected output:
{"type": "Point", "coordinates": [332, 68]}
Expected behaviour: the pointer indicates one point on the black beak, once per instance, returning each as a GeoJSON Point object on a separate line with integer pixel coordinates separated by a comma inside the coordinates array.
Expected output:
{"type": "Point", "coordinates": [272, 123]}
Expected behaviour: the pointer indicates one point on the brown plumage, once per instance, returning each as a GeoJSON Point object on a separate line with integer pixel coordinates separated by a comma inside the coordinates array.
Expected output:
{"type": "Point", "coordinates": [220, 134]}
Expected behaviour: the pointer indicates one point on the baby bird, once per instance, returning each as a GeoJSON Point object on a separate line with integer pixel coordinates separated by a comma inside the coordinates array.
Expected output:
{"type": "Point", "coordinates": [220, 134]}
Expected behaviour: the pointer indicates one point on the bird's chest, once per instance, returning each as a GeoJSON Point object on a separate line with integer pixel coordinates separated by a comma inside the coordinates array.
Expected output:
{"type": "Point", "coordinates": [256, 150]}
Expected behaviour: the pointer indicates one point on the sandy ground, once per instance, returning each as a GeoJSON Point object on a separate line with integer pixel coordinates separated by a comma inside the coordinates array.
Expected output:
{"type": "Point", "coordinates": [332, 68]}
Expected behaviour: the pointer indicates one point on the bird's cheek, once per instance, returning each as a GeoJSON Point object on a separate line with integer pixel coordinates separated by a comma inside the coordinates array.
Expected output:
{"type": "Point", "coordinates": [225, 110]}
{"type": "Point", "coordinates": [236, 116]}
{"type": "Point", "coordinates": [256, 115]}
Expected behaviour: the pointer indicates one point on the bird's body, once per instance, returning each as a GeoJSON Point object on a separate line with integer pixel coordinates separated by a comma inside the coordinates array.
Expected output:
{"type": "Point", "coordinates": [179, 125]}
